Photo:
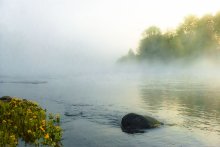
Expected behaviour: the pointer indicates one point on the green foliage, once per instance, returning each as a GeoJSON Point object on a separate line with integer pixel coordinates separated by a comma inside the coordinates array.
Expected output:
{"type": "Point", "coordinates": [23, 119]}
{"type": "Point", "coordinates": [193, 38]}
{"type": "Point", "coordinates": [129, 57]}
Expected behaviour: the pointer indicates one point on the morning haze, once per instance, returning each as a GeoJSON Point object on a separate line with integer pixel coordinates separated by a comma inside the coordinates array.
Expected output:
{"type": "Point", "coordinates": [43, 36]}
{"type": "Point", "coordinates": [99, 63]}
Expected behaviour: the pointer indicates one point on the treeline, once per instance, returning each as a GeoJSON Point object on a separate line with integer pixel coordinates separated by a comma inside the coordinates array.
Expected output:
{"type": "Point", "coordinates": [193, 38]}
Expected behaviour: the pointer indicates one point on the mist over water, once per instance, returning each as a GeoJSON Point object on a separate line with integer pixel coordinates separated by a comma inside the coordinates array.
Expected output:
{"type": "Point", "coordinates": [43, 37]}
{"type": "Point", "coordinates": [58, 38]}
{"type": "Point", "coordinates": [63, 54]}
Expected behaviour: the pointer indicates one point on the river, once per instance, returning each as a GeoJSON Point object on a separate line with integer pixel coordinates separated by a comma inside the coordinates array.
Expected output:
{"type": "Point", "coordinates": [92, 105]}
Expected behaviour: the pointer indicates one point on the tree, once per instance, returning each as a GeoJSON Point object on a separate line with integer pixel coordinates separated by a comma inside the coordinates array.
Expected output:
{"type": "Point", "coordinates": [193, 38]}
{"type": "Point", "coordinates": [151, 31]}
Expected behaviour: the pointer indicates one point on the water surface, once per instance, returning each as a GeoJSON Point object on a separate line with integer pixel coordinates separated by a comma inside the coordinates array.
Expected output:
{"type": "Point", "coordinates": [92, 106]}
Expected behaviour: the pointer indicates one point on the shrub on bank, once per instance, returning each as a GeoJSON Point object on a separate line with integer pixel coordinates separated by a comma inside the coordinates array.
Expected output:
{"type": "Point", "coordinates": [26, 120]}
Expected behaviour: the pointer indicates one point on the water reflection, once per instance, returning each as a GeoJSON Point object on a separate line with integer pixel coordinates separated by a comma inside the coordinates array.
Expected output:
{"type": "Point", "coordinates": [185, 102]}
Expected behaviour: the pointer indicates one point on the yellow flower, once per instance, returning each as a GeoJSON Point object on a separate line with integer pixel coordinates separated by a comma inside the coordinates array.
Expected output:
{"type": "Point", "coordinates": [29, 111]}
{"type": "Point", "coordinates": [58, 128]}
{"type": "Point", "coordinates": [46, 136]}
{"type": "Point", "coordinates": [42, 128]}
{"type": "Point", "coordinates": [13, 138]}
{"type": "Point", "coordinates": [43, 122]}
{"type": "Point", "coordinates": [57, 116]}
{"type": "Point", "coordinates": [29, 131]}
{"type": "Point", "coordinates": [34, 116]}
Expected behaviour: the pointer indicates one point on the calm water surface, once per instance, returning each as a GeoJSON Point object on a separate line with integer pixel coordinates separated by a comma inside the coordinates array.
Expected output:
{"type": "Point", "coordinates": [188, 105]}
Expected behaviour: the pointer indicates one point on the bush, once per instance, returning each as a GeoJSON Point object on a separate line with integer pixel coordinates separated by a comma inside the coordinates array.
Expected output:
{"type": "Point", "coordinates": [26, 120]}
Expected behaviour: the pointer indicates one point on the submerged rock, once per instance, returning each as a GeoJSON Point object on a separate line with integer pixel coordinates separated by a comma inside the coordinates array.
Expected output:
{"type": "Point", "coordinates": [6, 99]}
{"type": "Point", "coordinates": [134, 123]}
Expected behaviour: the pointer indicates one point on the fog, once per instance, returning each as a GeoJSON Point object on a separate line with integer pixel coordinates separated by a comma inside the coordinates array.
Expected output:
{"type": "Point", "coordinates": [43, 37]}
{"type": "Point", "coordinates": [72, 57]}
{"type": "Point", "coordinates": [57, 37]}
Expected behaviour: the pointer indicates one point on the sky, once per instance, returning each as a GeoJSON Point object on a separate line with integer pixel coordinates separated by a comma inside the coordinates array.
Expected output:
{"type": "Point", "coordinates": [39, 33]}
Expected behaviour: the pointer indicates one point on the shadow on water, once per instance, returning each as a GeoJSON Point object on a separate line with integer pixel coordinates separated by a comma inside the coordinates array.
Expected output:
{"type": "Point", "coordinates": [186, 102]}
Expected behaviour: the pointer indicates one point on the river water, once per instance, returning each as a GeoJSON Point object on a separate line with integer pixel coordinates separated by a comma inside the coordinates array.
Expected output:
{"type": "Point", "coordinates": [92, 105]}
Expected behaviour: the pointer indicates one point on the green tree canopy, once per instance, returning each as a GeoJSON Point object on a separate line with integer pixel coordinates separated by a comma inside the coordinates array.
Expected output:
{"type": "Point", "coordinates": [193, 38]}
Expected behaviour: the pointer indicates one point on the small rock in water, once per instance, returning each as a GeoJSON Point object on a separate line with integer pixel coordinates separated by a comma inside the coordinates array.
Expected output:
{"type": "Point", "coordinates": [73, 114]}
{"type": "Point", "coordinates": [134, 123]}
{"type": "Point", "coordinates": [6, 99]}
{"type": "Point", "coordinates": [69, 114]}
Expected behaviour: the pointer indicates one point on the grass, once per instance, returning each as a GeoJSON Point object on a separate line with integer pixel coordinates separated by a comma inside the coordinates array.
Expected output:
{"type": "Point", "coordinates": [26, 120]}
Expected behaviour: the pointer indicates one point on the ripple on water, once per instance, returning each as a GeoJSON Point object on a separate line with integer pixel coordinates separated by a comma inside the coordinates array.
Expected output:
{"type": "Point", "coordinates": [101, 114]}
{"type": "Point", "coordinates": [23, 82]}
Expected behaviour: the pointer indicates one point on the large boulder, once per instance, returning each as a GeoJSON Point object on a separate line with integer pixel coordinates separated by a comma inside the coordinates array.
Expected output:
{"type": "Point", "coordinates": [134, 123]}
